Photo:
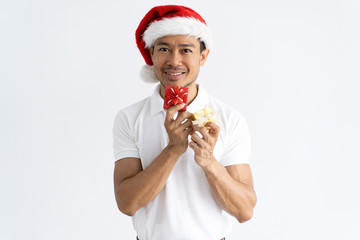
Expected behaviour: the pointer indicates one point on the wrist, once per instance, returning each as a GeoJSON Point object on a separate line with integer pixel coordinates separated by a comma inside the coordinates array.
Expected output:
{"type": "Point", "coordinates": [210, 166]}
{"type": "Point", "coordinates": [173, 151]}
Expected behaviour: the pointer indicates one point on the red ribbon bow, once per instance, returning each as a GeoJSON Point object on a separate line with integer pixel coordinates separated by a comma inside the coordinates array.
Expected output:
{"type": "Point", "coordinates": [175, 95]}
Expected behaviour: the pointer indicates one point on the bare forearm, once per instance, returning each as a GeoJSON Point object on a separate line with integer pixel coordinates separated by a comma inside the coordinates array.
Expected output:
{"type": "Point", "coordinates": [236, 198]}
{"type": "Point", "coordinates": [137, 191]}
{"type": "Point", "coordinates": [136, 187]}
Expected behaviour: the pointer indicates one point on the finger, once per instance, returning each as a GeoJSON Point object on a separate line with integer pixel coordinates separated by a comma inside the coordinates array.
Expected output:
{"type": "Point", "coordinates": [188, 131]}
{"type": "Point", "coordinates": [197, 139]}
{"type": "Point", "coordinates": [194, 146]}
{"type": "Point", "coordinates": [205, 133]}
{"type": "Point", "coordinates": [183, 116]}
{"type": "Point", "coordinates": [185, 124]}
{"type": "Point", "coordinates": [171, 111]}
{"type": "Point", "coordinates": [197, 127]}
{"type": "Point", "coordinates": [202, 130]}
{"type": "Point", "coordinates": [214, 129]}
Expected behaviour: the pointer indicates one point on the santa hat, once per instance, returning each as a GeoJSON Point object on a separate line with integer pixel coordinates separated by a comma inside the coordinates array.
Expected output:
{"type": "Point", "coordinates": [164, 21]}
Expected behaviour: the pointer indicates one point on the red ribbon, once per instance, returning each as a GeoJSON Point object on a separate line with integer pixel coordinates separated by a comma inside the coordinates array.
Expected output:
{"type": "Point", "coordinates": [175, 95]}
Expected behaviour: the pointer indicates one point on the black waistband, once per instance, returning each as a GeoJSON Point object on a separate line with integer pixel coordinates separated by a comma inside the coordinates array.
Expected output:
{"type": "Point", "coordinates": [139, 239]}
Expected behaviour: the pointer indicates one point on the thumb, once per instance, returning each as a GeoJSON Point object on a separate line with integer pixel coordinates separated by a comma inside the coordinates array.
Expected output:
{"type": "Point", "coordinates": [179, 106]}
{"type": "Point", "coordinates": [170, 113]}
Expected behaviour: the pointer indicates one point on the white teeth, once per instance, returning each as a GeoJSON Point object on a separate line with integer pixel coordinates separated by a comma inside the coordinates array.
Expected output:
{"type": "Point", "coordinates": [174, 74]}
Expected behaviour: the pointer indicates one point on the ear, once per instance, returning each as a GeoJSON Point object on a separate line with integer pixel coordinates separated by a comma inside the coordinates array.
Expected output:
{"type": "Point", "coordinates": [151, 50]}
{"type": "Point", "coordinates": [203, 56]}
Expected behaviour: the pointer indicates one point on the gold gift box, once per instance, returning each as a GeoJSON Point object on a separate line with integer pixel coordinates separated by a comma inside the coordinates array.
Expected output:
{"type": "Point", "coordinates": [204, 116]}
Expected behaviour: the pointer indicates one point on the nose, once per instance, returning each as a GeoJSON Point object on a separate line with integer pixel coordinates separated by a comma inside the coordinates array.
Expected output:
{"type": "Point", "coordinates": [174, 59]}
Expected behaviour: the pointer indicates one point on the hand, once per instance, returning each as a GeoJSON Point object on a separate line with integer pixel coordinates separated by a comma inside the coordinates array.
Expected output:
{"type": "Point", "coordinates": [178, 129]}
{"type": "Point", "coordinates": [204, 146]}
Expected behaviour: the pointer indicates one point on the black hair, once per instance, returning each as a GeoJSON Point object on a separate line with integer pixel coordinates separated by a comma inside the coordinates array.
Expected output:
{"type": "Point", "coordinates": [202, 46]}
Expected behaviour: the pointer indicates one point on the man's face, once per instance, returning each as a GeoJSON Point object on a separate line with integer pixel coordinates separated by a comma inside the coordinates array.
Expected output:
{"type": "Point", "coordinates": [177, 60]}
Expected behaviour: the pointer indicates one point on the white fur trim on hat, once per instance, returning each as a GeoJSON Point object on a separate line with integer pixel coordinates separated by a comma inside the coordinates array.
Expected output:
{"type": "Point", "coordinates": [147, 74]}
{"type": "Point", "coordinates": [177, 26]}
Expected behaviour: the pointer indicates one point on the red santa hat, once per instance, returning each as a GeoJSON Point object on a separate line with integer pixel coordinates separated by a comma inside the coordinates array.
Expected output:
{"type": "Point", "coordinates": [164, 21]}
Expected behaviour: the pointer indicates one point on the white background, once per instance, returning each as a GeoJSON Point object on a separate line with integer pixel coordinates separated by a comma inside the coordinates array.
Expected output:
{"type": "Point", "coordinates": [291, 68]}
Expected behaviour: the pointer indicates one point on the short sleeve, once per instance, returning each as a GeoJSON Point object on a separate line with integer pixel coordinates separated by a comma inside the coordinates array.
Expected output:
{"type": "Point", "coordinates": [123, 138]}
{"type": "Point", "coordinates": [237, 148]}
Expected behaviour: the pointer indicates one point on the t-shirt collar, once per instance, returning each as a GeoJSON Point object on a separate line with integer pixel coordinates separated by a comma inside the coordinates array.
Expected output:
{"type": "Point", "coordinates": [201, 99]}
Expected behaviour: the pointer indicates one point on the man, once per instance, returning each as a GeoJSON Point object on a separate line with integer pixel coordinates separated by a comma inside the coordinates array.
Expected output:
{"type": "Point", "coordinates": [174, 182]}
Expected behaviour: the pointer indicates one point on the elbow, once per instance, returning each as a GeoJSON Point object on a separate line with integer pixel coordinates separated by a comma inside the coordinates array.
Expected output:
{"type": "Point", "coordinates": [126, 209]}
{"type": "Point", "coordinates": [244, 217]}
{"type": "Point", "coordinates": [125, 204]}
{"type": "Point", "coordinates": [247, 213]}
{"type": "Point", "coordinates": [129, 213]}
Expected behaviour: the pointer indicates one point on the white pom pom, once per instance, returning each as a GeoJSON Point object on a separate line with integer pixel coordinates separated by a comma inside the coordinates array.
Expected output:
{"type": "Point", "coordinates": [147, 74]}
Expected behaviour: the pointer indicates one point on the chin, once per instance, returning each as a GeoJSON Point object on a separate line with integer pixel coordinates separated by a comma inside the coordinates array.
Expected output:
{"type": "Point", "coordinates": [180, 82]}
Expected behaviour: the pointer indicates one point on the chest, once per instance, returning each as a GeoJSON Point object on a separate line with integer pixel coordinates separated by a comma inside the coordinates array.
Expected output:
{"type": "Point", "coordinates": [151, 138]}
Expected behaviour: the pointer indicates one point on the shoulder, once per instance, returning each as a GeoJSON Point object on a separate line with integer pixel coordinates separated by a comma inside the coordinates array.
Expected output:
{"type": "Point", "coordinates": [231, 120]}
{"type": "Point", "coordinates": [131, 112]}
{"type": "Point", "coordinates": [224, 111]}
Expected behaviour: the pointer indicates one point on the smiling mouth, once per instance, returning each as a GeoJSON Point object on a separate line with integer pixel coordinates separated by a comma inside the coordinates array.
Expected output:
{"type": "Point", "coordinates": [174, 74]}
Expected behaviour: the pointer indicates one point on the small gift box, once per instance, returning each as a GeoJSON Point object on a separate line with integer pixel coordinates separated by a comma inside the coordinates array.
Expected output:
{"type": "Point", "coordinates": [175, 95]}
{"type": "Point", "coordinates": [204, 116]}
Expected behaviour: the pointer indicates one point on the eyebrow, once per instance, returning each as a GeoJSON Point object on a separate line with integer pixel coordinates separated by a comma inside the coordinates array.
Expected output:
{"type": "Point", "coordinates": [160, 43]}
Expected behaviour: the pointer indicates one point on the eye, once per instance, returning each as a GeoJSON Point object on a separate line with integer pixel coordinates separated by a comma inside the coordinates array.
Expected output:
{"type": "Point", "coordinates": [163, 49]}
{"type": "Point", "coordinates": [186, 50]}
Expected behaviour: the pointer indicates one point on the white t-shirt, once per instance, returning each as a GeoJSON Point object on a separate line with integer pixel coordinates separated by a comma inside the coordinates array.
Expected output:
{"type": "Point", "coordinates": [185, 208]}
